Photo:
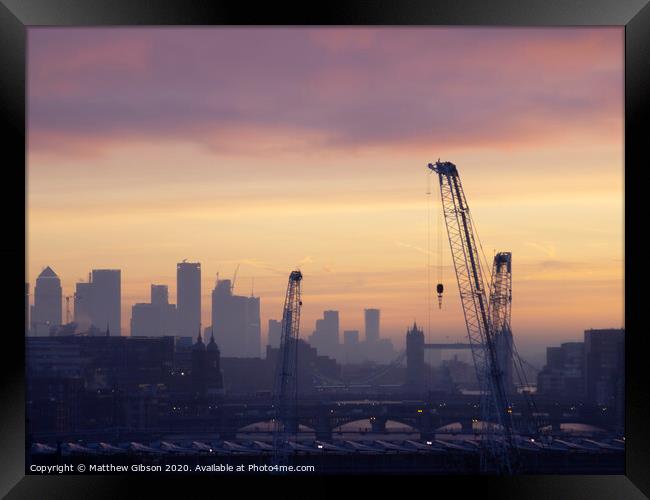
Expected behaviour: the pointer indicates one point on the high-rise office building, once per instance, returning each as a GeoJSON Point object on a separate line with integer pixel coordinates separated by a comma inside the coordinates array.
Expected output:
{"type": "Point", "coordinates": [159, 295]}
{"type": "Point", "coordinates": [325, 337]}
{"type": "Point", "coordinates": [235, 322]}
{"type": "Point", "coordinates": [563, 374]}
{"type": "Point", "coordinates": [83, 305]}
{"type": "Point", "coordinates": [46, 311]}
{"type": "Point", "coordinates": [168, 312]}
{"type": "Point", "coordinates": [351, 337]}
{"type": "Point", "coordinates": [188, 287]}
{"type": "Point", "coordinates": [372, 325]}
{"type": "Point", "coordinates": [373, 347]}
{"type": "Point", "coordinates": [605, 367]}
{"type": "Point", "coordinates": [106, 313]}
{"type": "Point", "coordinates": [146, 320]}
{"type": "Point", "coordinates": [275, 333]}
{"type": "Point", "coordinates": [351, 351]}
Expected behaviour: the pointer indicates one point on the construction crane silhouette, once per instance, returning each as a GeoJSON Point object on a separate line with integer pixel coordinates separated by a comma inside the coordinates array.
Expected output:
{"type": "Point", "coordinates": [67, 307]}
{"type": "Point", "coordinates": [500, 312]}
{"type": "Point", "coordinates": [499, 456]}
{"type": "Point", "coordinates": [285, 394]}
{"type": "Point", "coordinates": [234, 278]}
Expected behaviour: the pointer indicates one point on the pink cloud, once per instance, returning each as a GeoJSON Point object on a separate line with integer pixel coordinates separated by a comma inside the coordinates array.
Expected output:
{"type": "Point", "coordinates": [329, 87]}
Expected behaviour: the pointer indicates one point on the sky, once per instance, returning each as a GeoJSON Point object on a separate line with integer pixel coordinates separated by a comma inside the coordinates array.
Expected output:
{"type": "Point", "coordinates": [277, 148]}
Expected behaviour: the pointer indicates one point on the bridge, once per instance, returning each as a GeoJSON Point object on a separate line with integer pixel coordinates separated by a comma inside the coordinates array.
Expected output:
{"type": "Point", "coordinates": [321, 418]}
{"type": "Point", "coordinates": [447, 346]}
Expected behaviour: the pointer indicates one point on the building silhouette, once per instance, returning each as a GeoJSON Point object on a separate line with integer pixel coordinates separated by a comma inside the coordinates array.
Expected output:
{"type": "Point", "coordinates": [235, 322]}
{"type": "Point", "coordinates": [374, 348]}
{"type": "Point", "coordinates": [199, 385]}
{"type": "Point", "coordinates": [563, 375]}
{"type": "Point", "coordinates": [188, 287]}
{"type": "Point", "coordinates": [156, 318]}
{"type": "Point", "coordinates": [604, 366]}
{"type": "Point", "coordinates": [371, 323]}
{"type": "Point", "coordinates": [146, 320]}
{"type": "Point", "coordinates": [46, 311]}
{"type": "Point", "coordinates": [106, 300]}
{"type": "Point", "coordinates": [168, 312]}
{"type": "Point", "coordinates": [325, 337]}
{"type": "Point", "coordinates": [213, 375]}
{"type": "Point", "coordinates": [351, 351]}
{"type": "Point", "coordinates": [275, 333]}
{"type": "Point", "coordinates": [415, 367]}
{"type": "Point", "coordinates": [207, 379]}
{"type": "Point", "coordinates": [159, 295]}
{"type": "Point", "coordinates": [311, 365]}
{"type": "Point", "coordinates": [83, 305]}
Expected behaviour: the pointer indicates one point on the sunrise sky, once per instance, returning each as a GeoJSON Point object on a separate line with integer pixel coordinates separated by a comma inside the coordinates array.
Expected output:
{"type": "Point", "coordinates": [283, 147]}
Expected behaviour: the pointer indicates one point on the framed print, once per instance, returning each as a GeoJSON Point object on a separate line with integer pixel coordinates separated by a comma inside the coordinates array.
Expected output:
{"type": "Point", "coordinates": [362, 242]}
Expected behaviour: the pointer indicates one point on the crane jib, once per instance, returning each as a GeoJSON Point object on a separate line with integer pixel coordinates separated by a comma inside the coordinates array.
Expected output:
{"type": "Point", "coordinates": [476, 308]}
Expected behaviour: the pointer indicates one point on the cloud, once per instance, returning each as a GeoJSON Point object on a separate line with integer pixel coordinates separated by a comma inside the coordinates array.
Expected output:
{"type": "Point", "coordinates": [545, 248]}
{"type": "Point", "coordinates": [325, 88]}
{"type": "Point", "coordinates": [413, 247]}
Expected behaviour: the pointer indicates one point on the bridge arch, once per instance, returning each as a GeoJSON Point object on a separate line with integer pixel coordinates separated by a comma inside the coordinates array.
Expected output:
{"type": "Point", "coordinates": [268, 426]}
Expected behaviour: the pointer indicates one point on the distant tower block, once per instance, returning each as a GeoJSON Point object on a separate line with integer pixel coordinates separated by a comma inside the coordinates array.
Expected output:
{"type": "Point", "coordinates": [48, 302]}
{"type": "Point", "coordinates": [106, 305]}
{"type": "Point", "coordinates": [372, 325]}
{"type": "Point", "coordinates": [188, 291]}
{"type": "Point", "coordinates": [159, 295]}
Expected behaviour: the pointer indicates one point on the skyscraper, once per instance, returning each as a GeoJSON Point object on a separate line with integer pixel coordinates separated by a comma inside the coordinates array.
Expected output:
{"type": "Point", "coordinates": [604, 366]}
{"type": "Point", "coordinates": [325, 337]}
{"type": "Point", "coordinates": [235, 322]}
{"type": "Point", "coordinates": [351, 352]}
{"type": "Point", "coordinates": [275, 333]}
{"type": "Point", "coordinates": [563, 374]}
{"type": "Point", "coordinates": [156, 318]}
{"type": "Point", "coordinates": [106, 300]}
{"type": "Point", "coordinates": [168, 312]}
{"type": "Point", "coordinates": [375, 348]}
{"type": "Point", "coordinates": [146, 320]}
{"type": "Point", "coordinates": [46, 311]}
{"type": "Point", "coordinates": [372, 325]}
{"type": "Point", "coordinates": [188, 288]}
{"type": "Point", "coordinates": [159, 295]}
{"type": "Point", "coordinates": [83, 305]}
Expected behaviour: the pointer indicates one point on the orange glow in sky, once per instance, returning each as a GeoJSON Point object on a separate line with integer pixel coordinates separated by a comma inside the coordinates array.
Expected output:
{"type": "Point", "coordinates": [283, 148]}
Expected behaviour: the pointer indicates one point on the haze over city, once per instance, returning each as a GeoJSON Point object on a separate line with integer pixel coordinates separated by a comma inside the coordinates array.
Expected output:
{"type": "Point", "coordinates": [282, 148]}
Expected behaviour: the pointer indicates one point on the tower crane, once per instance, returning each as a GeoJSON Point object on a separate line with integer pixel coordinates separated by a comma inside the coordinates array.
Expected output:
{"type": "Point", "coordinates": [500, 312]}
{"type": "Point", "coordinates": [495, 405]}
{"type": "Point", "coordinates": [285, 394]}
{"type": "Point", "coordinates": [511, 364]}
{"type": "Point", "coordinates": [234, 278]}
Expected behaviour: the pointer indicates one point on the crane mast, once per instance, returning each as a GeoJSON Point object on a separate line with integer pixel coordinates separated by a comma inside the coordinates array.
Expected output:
{"type": "Point", "coordinates": [500, 311]}
{"type": "Point", "coordinates": [285, 392]}
{"type": "Point", "coordinates": [476, 309]}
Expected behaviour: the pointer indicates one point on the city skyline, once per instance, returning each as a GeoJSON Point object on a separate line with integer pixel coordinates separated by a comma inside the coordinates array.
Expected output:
{"type": "Point", "coordinates": [186, 164]}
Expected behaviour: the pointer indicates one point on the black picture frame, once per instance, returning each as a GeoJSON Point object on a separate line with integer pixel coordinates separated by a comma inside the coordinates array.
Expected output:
{"type": "Point", "coordinates": [17, 15]}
